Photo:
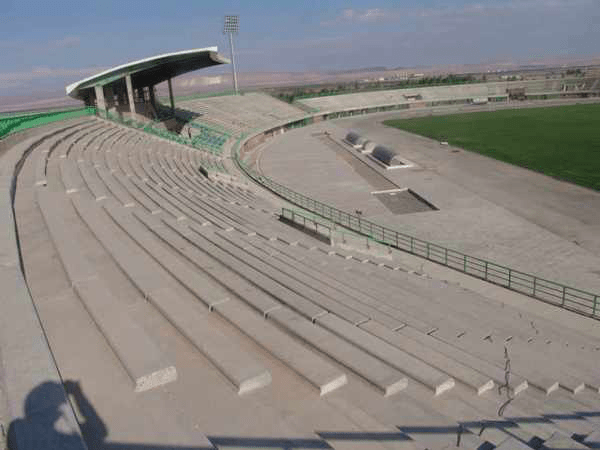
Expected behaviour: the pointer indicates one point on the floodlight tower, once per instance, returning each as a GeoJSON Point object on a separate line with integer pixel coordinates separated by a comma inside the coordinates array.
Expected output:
{"type": "Point", "coordinates": [231, 27]}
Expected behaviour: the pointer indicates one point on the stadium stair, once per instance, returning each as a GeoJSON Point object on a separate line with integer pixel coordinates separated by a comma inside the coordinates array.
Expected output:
{"type": "Point", "coordinates": [131, 210]}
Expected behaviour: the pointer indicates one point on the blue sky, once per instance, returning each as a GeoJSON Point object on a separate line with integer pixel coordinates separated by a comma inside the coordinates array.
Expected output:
{"type": "Point", "coordinates": [49, 43]}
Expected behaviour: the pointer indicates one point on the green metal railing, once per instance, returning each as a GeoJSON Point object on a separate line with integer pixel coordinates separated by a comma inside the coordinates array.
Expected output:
{"type": "Point", "coordinates": [316, 226]}
{"type": "Point", "coordinates": [16, 122]}
{"type": "Point", "coordinates": [209, 137]}
{"type": "Point", "coordinates": [577, 300]}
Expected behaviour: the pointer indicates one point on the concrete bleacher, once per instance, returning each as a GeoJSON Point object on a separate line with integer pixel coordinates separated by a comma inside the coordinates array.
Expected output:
{"type": "Point", "coordinates": [240, 114]}
{"type": "Point", "coordinates": [189, 288]}
{"type": "Point", "coordinates": [453, 93]}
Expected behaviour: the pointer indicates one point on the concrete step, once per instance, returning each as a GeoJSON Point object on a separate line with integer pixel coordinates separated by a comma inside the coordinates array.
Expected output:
{"type": "Point", "coordinates": [48, 146]}
{"type": "Point", "coordinates": [306, 292]}
{"type": "Point", "coordinates": [517, 383]}
{"type": "Point", "coordinates": [71, 177]}
{"type": "Point", "coordinates": [136, 165]}
{"type": "Point", "coordinates": [570, 378]}
{"type": "Point", "coordinates": [94, 184]}
{"type": "Point", "coordinates": [425, 424]}
{"type": "Point", "coordinates": [476, 381]}
{"type": "Point", "coordinates": [371, 431]}
{"type": "Point", "coordinates": [148, 169]}
{"type": "Point", "coordinates": [198, 214]}
{"type": "Point", "coordinates": [385, 379]}
{"type": "Point", "coordinates": [203, 287]}
{"type": "Point", "coordinates": [114, 188]}
{"type": "Point", "coordinates": [506, 320]}
{"type": "Point", "coordinates": [512, 443]}
{"type": "Point", "coordinates": [497, 412]}
{"type": "Point", "coordinates": [138, 354]}
{"type": "Point", "coordinates": [248, 272]}
{"type": "Point", "coordinates": [352, 308]}
{"type": "Point", "coordinates": [238, 367]}
{"type": "Point", "coordinates": [593, 440]}
{"type": "Point", "coordinates": [235, 283]}
{"type": "Point", "coordinates": [221, 209]}
{"type": "Point", "coordinates": [140, 196]}
{"type": "Point", "coordinates": [435, 380]}
{"type": "Point", "coordinates": [141, 358]}
{"type": "Point", "coordinates": [556, 410]}
{"type": "Point", "coordinates": [322, 375]}
{"type": "Point", "coordinates": [333, 275]}
{"type": "Point", "coordinates": [488, 427]}
{"type": "Point", "coordinates": [155, 196]}
{"type": "Point", "coordinates": [77, 267]}
{"type": "Point", "coordinates": [40, 167]}
{"type": "Point", "coordinates": [372, 296]}
{"type": "Point", "coordinates": [562, 442]}
{"type": "Point", "coordinates": [535, 374]}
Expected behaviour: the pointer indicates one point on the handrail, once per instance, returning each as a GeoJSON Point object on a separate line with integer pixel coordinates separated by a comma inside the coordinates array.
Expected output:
{"type": "Point", "coordinates": [291, 215]}
{"type": "Point", "coordinates": [564, 296]}
{"type": "Point", "coordinates": [12, 123]}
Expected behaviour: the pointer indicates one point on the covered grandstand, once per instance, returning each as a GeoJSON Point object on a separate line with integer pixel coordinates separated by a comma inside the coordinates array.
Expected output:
{"type": "Point", "coordinates": [130, 88]}
{"type": "Point", "coordinates": [180, 306]}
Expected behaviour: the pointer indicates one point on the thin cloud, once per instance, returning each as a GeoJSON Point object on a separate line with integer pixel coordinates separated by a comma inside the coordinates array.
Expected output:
{"type": "Point", "coordinates": [372, 15]}
{"type": "Point", "coordinates": [470, 10]}
{"type": "Point", "coordinates": [43, 46]}
{"type": "Point", "coordinates": [10, 80]}
{"type": "Point", "coordinates": [66, 42]}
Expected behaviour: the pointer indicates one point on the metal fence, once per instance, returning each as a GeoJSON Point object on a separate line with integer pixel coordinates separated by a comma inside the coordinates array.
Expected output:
{"type": "Point", "coordinates": [16, 122]}
{"type": "Point", "coordinates": [577, 300]}
{"type": "Point", "coordinates": [308, 223]}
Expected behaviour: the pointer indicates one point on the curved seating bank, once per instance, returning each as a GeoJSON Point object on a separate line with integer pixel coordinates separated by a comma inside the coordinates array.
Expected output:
{"type": "Point", "coordinates": [191, 314]}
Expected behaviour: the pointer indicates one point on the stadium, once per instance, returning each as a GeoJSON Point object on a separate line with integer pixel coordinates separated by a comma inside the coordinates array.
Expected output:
{"type": "Point", "coordinates": [236, 271]}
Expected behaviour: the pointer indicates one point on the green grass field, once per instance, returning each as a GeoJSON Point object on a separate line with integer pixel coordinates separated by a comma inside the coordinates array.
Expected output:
{"type": "Point", "coordinates": [563, 142]}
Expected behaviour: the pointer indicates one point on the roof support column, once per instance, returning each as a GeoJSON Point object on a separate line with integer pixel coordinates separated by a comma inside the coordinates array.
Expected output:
{"type": "Point", "coordinates": [171, 98]}
{"type": "Point", "coordinates": [151, 93]}
{"type": "Point", "coordinates": [100, 103]}
{"type": "Point", "coordinates": [109, 97]}
{"type": "Point", "coordinates": [130, 95]}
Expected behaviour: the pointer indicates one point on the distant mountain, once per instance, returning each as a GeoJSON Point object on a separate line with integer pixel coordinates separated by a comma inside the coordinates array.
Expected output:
{"type": "Point", "coordinates": [348, 71]}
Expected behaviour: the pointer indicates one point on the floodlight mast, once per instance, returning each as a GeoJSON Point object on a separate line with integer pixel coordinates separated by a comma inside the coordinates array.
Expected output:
{"type": "Point", "coordinates": [231, 27]}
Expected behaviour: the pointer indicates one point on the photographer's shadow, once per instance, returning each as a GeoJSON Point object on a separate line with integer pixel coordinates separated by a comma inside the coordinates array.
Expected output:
{"type": "Point", "coordinates": [48, 423]}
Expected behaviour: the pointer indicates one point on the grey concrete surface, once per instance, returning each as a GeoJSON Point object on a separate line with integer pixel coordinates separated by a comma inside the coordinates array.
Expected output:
{"type": "Point", "coordinates": [384, 378]}
{"type": "Point", "coordinates": [437, 381]}
{"type": "Point", "coordinates": [470, 377]}
{"type": "Point", "coordinates": [26, 360]}
{"type": "Point", "coordinates": [318, 372]}
{"type": "Point", "coordinates": [188, 281]}
{"type": "Point", "coordinates": [237, 367]}
{"type": "Point", "coordinates": [490, 209]}
{"type": "Point", "coordinates": [138, 354]}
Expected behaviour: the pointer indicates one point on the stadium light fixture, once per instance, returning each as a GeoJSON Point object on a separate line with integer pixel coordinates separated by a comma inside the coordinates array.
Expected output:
{"type": "Point", "coordinates": [231, 27]}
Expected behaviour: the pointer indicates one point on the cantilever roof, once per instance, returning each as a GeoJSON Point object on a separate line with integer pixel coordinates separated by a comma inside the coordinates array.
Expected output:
{"type": "Point", "coordinates": [153, 70]}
